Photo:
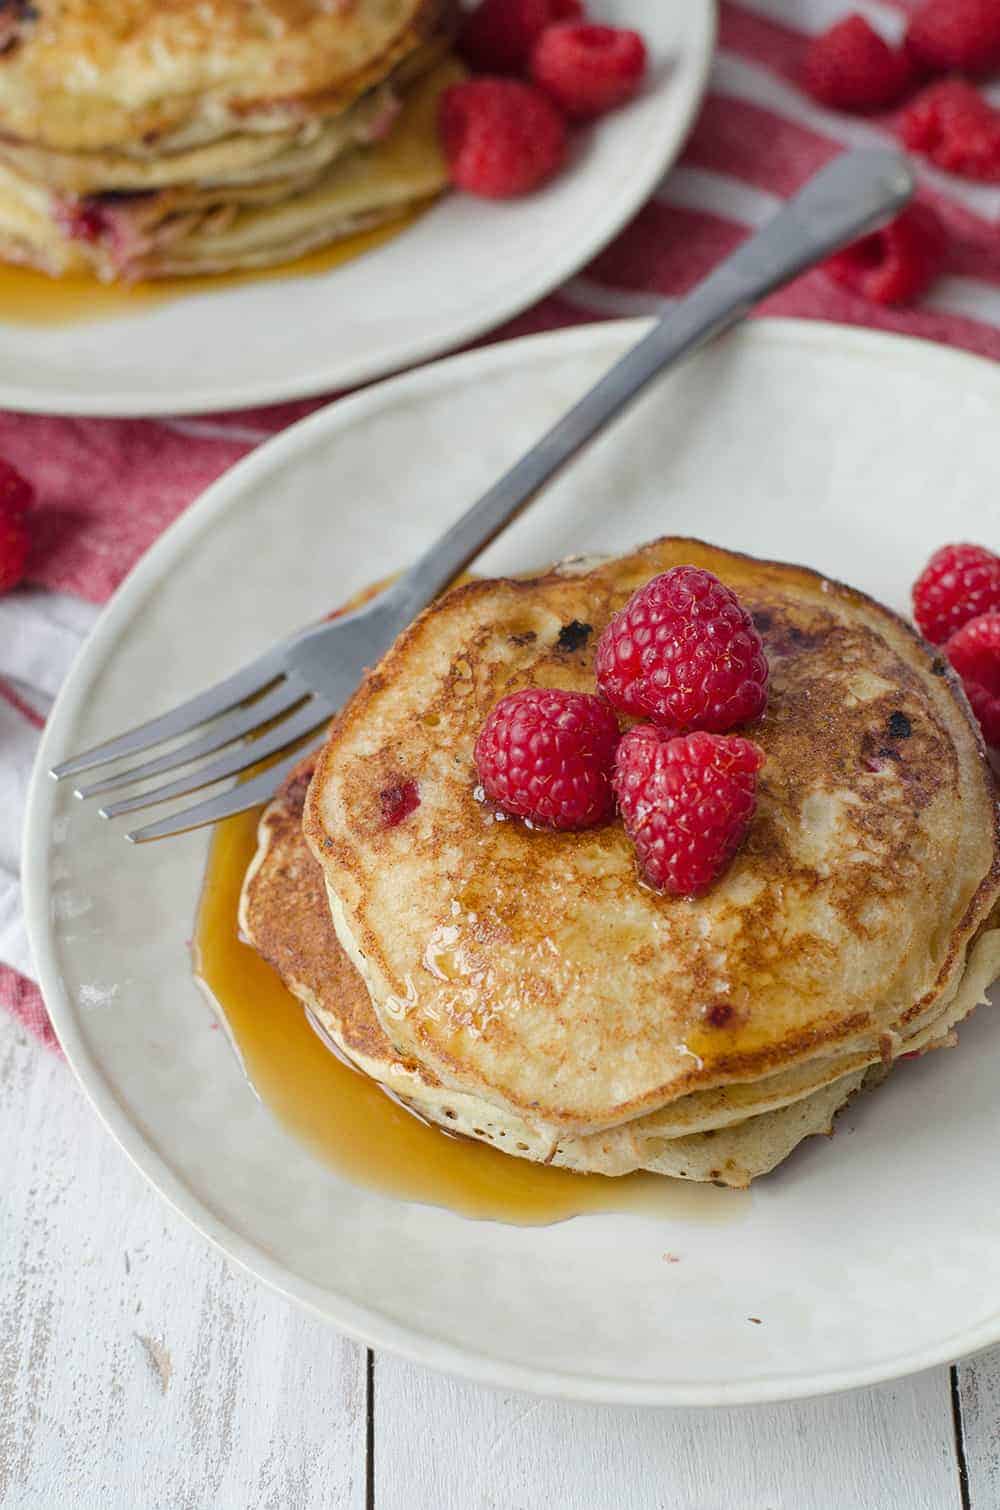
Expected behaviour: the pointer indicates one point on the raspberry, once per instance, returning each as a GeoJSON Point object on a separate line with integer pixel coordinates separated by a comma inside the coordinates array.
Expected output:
{"type": "Point", "coordinates": [684, 652]}
{"type": "Point", "coordinates": [956, 128]}
{"type": "Point", "coordinates": [500, 137]}
{"type": "Point", "coordinates": [548, 755]}
{"type": "Point", "coordinates": [894, 265]}
{"type": "Point", "coordinates": [974, 651]}
{"type": "Point", "coordinates": [955, 36]}
{"type": "Point", "coordinates": [81, 219]}
{"type": "Point", "coordinates": [588, 69]}
{"type": "Point", "coordinates": [398, 801]}
{"type": "Point", "coordinates": [16, 497]}
{"type": "Point", "coordinates": [497, 37]}
{"type": "Point", "coordinates": [958, 583]}
{"type": "Point", "coordinates": [850, 67]}
{"type": "Point", "coordinates": [686, 802]}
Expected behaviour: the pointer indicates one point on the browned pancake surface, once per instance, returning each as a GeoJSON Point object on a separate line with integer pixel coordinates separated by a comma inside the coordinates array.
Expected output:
{"type": "Point", "coordinates": [532, 968]}
{"type": "Point", "coordinates": [82, 75]}
{"type": "Point", "coordinates": [288, 921]}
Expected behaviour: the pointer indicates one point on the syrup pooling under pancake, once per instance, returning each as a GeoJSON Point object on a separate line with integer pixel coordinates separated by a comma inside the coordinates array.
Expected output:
{"type": "Point", "coordinates": [531, 970]}
{"type": "Point", "coordinates": [344, 1117]}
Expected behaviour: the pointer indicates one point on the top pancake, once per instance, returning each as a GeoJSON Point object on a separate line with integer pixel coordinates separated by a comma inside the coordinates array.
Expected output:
{"type": "Point", "coordinates": [82, 75]}
{"type": "Point", "coordinates": [730, 1134]}
{"type": "Point", "coordinates": [533, 968]}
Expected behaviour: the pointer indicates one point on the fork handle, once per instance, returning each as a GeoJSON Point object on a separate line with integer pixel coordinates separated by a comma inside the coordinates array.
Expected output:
{"type": "Point", "coordinates": [851, 196]}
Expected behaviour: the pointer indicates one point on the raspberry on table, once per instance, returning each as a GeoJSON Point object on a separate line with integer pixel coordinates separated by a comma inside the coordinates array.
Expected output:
{"type": "Point", "coordinates": [16, 498]}
{"type": "Point", "coordinates": [684, 652]}
{"type": "Point", "coordinates": [958, 583]}
{"type": "Point", "coordinates": [548, 755]}
{"type": "Point", "coordinates": [974, 651]}
{"type": "Point", "coordinates": [950, 123]}
{"type": "Point", "coordinates": [686, 802]}
{"type": "Point", "coordinates": [587, 70]}
{"type": "Point", "coordinates": [497, 37]}
{"type": "Point", "coordinates": [897, 264]}
{"type": "Point", "coordinates": [500, 137]}
{"type": "Point", "coordinates": [955, 36]}
{"type": "Point", "coordinates": [851, 67]}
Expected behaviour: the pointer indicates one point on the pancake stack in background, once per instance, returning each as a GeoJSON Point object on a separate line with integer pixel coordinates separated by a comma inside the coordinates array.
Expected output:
{"type": "Point", "coordinates": [523, 988]}
{"type": "Point", "coordinates": [140, 140]}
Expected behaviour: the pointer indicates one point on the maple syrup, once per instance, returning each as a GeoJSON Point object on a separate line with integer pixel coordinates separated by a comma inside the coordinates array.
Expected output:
{"type": "Point", "coordinates": [30, 298]}
{"type": "Point", "coordinates": [354, 1126]}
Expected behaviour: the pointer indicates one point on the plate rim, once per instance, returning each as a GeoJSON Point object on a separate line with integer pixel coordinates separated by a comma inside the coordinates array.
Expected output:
{"type": "Point", "coordinates": [368, 1325]}
{"type": "Point", "coordinates": [126, 404]}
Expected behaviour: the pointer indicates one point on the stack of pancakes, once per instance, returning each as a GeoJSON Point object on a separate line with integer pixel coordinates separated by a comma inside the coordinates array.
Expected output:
{"type": "Point", "coordinates": [139, 140]}
{"type": "Point", "coordinates": [524, 987]}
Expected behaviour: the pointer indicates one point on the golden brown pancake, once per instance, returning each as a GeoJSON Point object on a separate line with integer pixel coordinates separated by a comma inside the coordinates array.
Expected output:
{"type": "Point", "coordinates": [283, 914]}
{"type": "Point", "coordinates": [729, 1135]}
{"type": "Point", "coordinates": [158, 75]}
{"type": "Point", "coordinates": [533, 971]}
{"type": "Point", "coordinates": [190, 138]}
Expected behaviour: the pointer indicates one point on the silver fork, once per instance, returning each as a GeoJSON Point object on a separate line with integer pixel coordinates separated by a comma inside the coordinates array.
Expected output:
{"type": "Point", "coordinates": [296, 686]}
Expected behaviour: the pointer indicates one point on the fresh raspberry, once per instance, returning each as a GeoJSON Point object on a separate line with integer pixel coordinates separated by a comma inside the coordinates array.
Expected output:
{"type": "Point", "coordinates": [956, 128]}
{"type": "Point", "coordinates": [500, 137]}
{"type": "Point", "coordinates": [588, 69]}
{"type": "Point", "coordinates": [955, 36]}
{"type": "Point", "coordinates": [958, 583]}
{"type": "Point", "coordinates": [684, 652]}
{"type": "Point", "coordinates": [974, 651]}
{"type": "Point", "coordinates": [16, 493]}
{"type": "Point", "coordinates": [850, 67]}
{"type": "Point", "coordinates": [548, 755]}
{"type": "Point", "coordinates": [16, 497]}
{"type": "Point", "coordinates": [686, 802]}
{"type": "Point", "coordinates": [497, 37]}
{"type": "Point", "coordinates": [895, 265]}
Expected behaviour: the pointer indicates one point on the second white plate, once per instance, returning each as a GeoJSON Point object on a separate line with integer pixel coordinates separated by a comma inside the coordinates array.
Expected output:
{"type": "Point", "coordinates": [463, 267]}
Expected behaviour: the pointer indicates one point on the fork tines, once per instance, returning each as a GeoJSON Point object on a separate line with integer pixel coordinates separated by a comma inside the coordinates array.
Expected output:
{"type": "Point", "coordinates": [254, 714]}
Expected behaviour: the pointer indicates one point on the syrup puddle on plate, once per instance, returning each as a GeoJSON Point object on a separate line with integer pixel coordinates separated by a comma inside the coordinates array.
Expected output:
{"type": "Point", "coordinates": [30, 298]}
{"type": "Point", "coordinates": [355, 1127]}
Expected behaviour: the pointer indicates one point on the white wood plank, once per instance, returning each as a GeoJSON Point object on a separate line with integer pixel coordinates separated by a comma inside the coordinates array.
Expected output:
{"type": "Point", "coordinates": [136, 1368]}
{"type": "Point", "coordinates": [446, 1444]}
{"type": "Point", "coordinates": [979, 1395]}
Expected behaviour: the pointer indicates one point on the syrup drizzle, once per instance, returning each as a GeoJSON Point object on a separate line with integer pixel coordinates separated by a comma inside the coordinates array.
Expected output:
{"type": "Point", "coordinates": [354, 1127]}
{"type": "Point", "coordinates": [30, 298]}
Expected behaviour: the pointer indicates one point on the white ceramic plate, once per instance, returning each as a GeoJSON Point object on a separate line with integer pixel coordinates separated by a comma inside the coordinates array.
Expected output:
{"type": "Point", "coordinates": [865, 1257]}
{"type": "Point", "coordinates": [462, 268]}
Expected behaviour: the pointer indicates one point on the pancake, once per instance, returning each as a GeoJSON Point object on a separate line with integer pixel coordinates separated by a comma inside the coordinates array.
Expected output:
{"type": "Point", "coordinates": [531, 970]}
{"type": "Point", "coordinates": [283, 914]}
{"type": "Point", "coordinates": [258, 201]}
{"type": "Point", "coordinates": [242, 157]}
{"type": "Point", "coordinates": [729, 1136]}
{"type": "Point", "coordinates": [155, 76]}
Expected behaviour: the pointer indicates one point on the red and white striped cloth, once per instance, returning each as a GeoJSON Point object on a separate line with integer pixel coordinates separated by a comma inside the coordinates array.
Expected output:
{"type": "Point", "coordinates": [107, 488]}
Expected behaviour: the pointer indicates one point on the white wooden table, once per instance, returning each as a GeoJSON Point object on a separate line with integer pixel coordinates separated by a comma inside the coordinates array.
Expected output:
{"type": "Point", "coordinates": [139, 1371]}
